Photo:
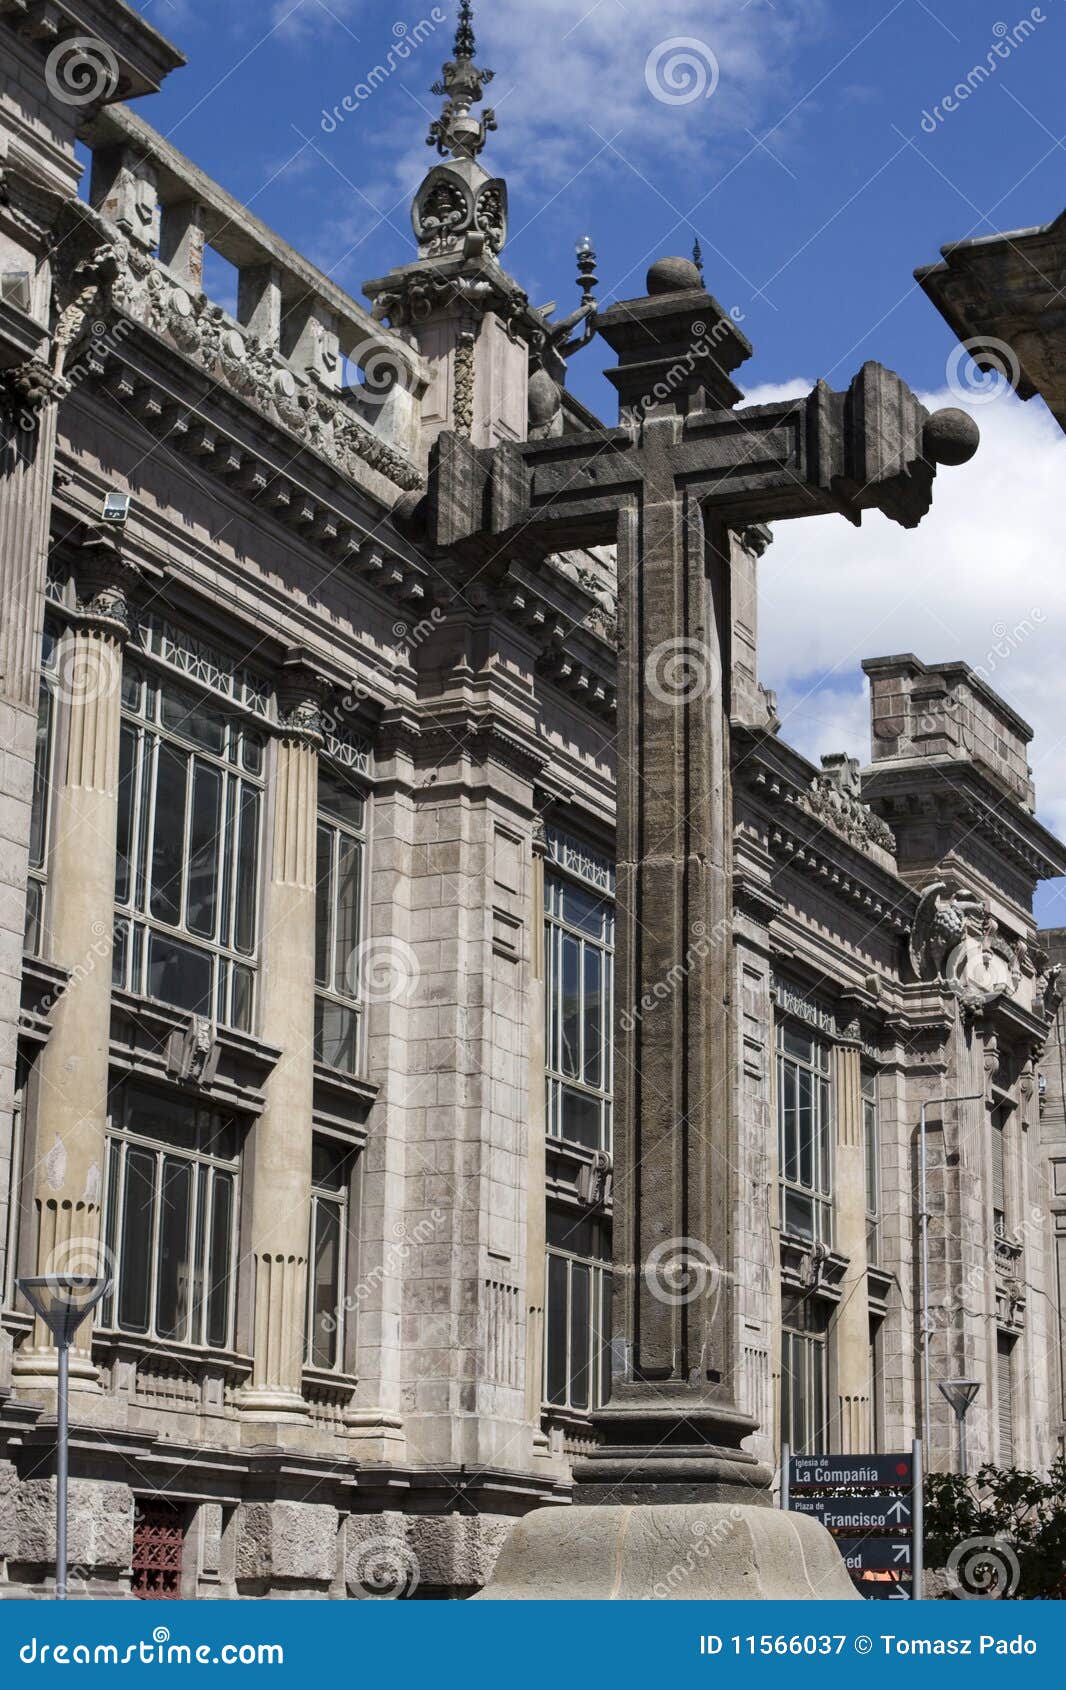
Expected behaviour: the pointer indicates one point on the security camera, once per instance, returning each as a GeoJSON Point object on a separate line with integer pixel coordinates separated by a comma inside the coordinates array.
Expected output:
{"type": "Point", "coordinates": [116, 507]}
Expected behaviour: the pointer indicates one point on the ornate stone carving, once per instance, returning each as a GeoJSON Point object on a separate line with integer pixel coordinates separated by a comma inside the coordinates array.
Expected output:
{"type": "Point", "coordinates": [835, 797]}
{"type": "Point", "coordinates": [120, 276]}
{"type": "Point", "coordinates": [193, 1055]}
{"type": "Point", "coordinates": [956, 939]}
{"type": "Point", "coordinates": [463, 378]}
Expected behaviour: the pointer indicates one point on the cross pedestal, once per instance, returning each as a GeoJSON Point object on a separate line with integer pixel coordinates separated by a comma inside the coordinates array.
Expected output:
{"type": "Point", "coordinates": [682, 470]}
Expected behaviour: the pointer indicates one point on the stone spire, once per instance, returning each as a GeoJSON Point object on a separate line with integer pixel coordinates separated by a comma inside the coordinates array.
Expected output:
{"type": "Point", "coordinates": [462, 85]}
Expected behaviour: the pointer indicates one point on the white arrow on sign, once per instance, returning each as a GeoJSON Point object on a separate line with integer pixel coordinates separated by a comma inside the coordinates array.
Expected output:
{"type": "Point", "coordinates": [902, 1553]}
{"type": "Point", "coordinates": [899, 1510]}
{"type": "Point", "coordinates": [900, 1595]}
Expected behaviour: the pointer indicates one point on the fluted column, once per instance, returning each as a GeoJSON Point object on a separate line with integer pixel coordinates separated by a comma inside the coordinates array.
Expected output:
{"type": "Point", "coordinates": [73, 1066]}
{"type": "Point", "coordinates": [851, 1329]}
{"type": "Point", "coordinates": [282, 1137]}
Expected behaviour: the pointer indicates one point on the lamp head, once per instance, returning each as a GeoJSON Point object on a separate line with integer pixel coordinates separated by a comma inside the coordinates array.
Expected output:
{"type": "Point", "coordinates": [63, 1300]}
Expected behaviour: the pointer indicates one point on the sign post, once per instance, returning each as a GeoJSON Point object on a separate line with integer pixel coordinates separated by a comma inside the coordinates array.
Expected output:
{"type": "Point", "coordinates": [873, 1506]}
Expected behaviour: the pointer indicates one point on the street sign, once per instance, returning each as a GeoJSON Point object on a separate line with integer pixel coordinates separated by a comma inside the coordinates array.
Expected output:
{"type": "Point", "coordinates": [874, 1509]}
{"type": "Point", "coordinates": [878, 1590]}
{"type": "Point", "coordinates": [861, 1514]}
{"type": "Point", "coordinates": [892, 1472]}
{"type": "Point", "coordinates": [877, 1554]}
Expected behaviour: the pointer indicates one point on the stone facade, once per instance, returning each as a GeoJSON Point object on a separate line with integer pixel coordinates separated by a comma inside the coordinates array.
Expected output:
{"type": "Point", "coordinates": [311, 1094]}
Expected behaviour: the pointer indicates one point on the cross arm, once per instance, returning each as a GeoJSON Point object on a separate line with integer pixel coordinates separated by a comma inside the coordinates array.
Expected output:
{"type": "Point", "coordinates": [872, 447]}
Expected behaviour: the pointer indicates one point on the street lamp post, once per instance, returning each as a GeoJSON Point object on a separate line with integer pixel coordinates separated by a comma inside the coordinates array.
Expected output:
{"type": "Point", "coordinates": [923, 1221]}
{"type": "Point", "coordinates": [62, 1301]}
{"type": "Point", "coordinates": [960, 1394]}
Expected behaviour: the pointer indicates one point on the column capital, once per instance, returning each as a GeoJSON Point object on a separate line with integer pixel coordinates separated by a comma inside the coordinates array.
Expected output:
{"type": "Point", "coordinates": [104, 583]}
{"type": "Point", "coordinates": [303, 694]}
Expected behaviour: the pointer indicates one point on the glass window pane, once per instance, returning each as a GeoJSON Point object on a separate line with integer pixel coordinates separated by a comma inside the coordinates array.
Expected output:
{"type": "Point", "coordinates": [594, 1016]}
{"type": "Point", "coordinates": [337, 1035]}
{"type": "Point", "coordinates": [580, 1334]}
{"type": "Point", "coordinates": [180, 975]}
{"type": "Point", "coordinates": [325, 1284]}
{"type": "Point", "coordinates": [168, 833]}
{"type": "Point", "coordinates": [324, 906]}
{"type": "Point", "coordinates": [329, 1165]}
{"type": "Point", "coordinates": [555, 1371]}
{"type": "Point", "coordinates": [42, 768]}
{"type": "Point", "coordinates": [247, 870]}
{"type": "Point", "coordinates": [202, 895]}
{"type": "Point", "coordinates": [581, 1117]}
{"type": "Point", "coordinates": [789, 1133]}
{"type": "Point", "coordinates": [241, 980]}
{"type": "Point", "coordinates": [805, 1127]}
{"type": "Point", "coordinates": [193, 718]}
{"type": "Point", "coordinates": [174, 1290]}
{"type": "Point", "coordinates": [32, 937]}
{"type": "Point", "coordinates": [135, 1266]}
{"type": "Point", "coordinates": [570, 1055]}
{"type": "Point", "coordinates": [346, 919]}
{"type": "Point", "coordinates": [796, 1043]}
{"type": "Point", "coordinates": [252, 746]}
{"type": "Point", "coordinates": [127, 794]}
{"type": "Point", "coordinates": [341, 799]}
{"type": "Point", "coordinates": [219, 1258]}
{"type": "Point", "coordinates": [582, 909]}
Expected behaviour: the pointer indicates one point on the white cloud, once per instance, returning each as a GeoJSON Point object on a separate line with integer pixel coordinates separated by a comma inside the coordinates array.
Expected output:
{"type": "Point", "coordinates": [563, 66]}
{"type": "Point", "coordinates": [981, 579]}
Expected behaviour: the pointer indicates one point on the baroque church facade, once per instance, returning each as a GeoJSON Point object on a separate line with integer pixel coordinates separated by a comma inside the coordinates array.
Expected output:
{"type": "Point", "coordinates": [308, 882]}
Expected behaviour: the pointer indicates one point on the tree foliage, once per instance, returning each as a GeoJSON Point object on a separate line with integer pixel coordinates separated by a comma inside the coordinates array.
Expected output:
{"type": "Point", "coordinates": [1020, 1520]}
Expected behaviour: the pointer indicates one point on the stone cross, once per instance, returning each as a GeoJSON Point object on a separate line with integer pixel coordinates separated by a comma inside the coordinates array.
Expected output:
{"type": "Point", "coordinates": [683, 470]}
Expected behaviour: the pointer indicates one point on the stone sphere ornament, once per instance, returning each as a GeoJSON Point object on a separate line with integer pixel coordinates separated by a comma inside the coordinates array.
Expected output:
{"type": "Point", "coordinates": [950, 437]}
{"type": "Point", "coordinates": [674, 275]}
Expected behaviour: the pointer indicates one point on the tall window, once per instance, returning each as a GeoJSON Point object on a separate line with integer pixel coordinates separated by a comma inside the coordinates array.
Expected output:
{"type": "Point", "coordinates": [339, 922]}
{"type": "Point", "coordinates": [872, 1146]}
{"type": "Point", "coordinates": [804, 1118]}
{"type": "Point", "coordinates": [577, 1319]}
{"type": "Point", "coordinates": [171, 1227]}
{"type": "Point", "coordinates": [999, 1175]}
{"type": "Point", "coordinates": [1005, 1398]}
{"type": "Point", "coordinates": [187, 876]}
{"type": "Point", "coordinates": [330, 1176]}
{"type": "Point", "coordinates": [804, 1389]}
{"type": "Point", "coordinates": [579, 950]}
{"type": "Point", "coordinates": [40, 814]}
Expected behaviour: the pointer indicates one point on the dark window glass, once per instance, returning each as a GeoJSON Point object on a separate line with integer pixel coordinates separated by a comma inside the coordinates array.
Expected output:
{"type": "Point", "coordinates": [136, 1263]}
{"type": "Point", "coordinates": [556, 1368]}
{"type": "Point", "coordinates": [193, 719]}
{"type": "Point", "coordinates": [42, 762]}
{"type": "Point", "coordinates": [323, 905]}
{"type": "Point", "coordinates": [346, 937]}
{"type": "Point", "coordinates": [580, 1334]}
{"type": "Point", "coordinates": [179, 975]}
{"type": "Point", "coordinates": [174, 1288]}
{"type": "Point", "coordinates": [336, 1035]}
{"type": "Point", "coordinates": [582, 910]}
{"type": "Point", "coordinates": [168, 841]}
{"type": "Point", "coordinates": [202, 899]}
{"type": "Point", "coordinates": [594, 1016]}
{"type": "Point", "coordinates": [570, 1055]}
{"type": "Point", "coordinates": [218, 1278]}
{"type": "Point", "coordinates": [325, 1285]}
{"type": "Point", "coordinates": [339, 799]}
{"type": "Point", "coordinates": [127, 795]}
{"type": "Point", "coordinates": [581, 1118]}
{"type": "Point", "coordinates": [329, 1165]}
{"type": "Point", "coordinates": [247, 866]}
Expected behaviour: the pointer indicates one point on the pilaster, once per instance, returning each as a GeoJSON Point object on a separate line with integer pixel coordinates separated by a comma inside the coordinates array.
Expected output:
{"type": "Point", "coordinates": [74, 1064]}
{"type": "Point", "coordinates": [282, 1137]}
{"type": "Point", "coordinates": [851, 1327]}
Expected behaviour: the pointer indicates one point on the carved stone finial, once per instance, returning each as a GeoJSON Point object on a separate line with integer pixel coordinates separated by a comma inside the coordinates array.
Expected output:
{"type": "Point", "coordinates": [461, 86]}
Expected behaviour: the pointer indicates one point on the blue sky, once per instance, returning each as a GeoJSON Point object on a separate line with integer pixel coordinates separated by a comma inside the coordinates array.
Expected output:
{"type": "Point", "coordinates": [817, 174]}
